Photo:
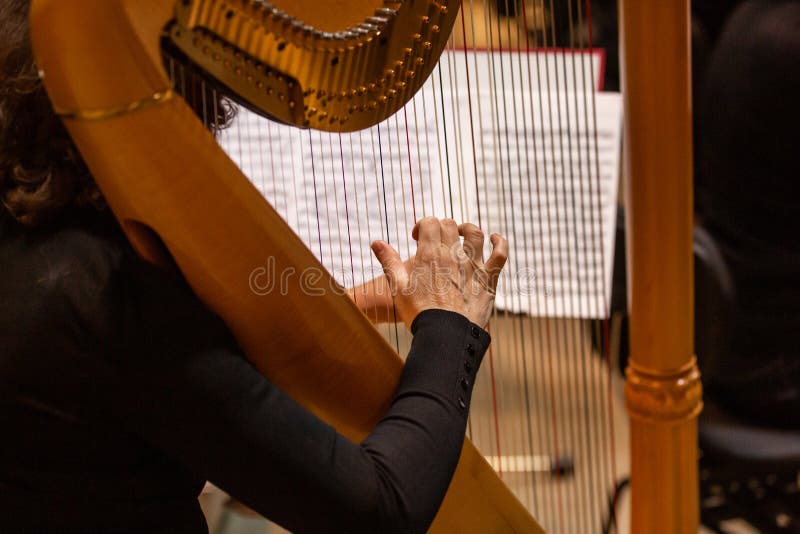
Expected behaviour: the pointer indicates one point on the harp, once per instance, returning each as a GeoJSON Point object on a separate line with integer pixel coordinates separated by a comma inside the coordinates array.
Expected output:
{"type": "Point", "coordinates": [342, 66]}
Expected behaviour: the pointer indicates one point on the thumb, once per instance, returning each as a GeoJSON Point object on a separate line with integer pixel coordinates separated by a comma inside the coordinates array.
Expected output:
{"type": "Point", "coordinates": [392, 265]}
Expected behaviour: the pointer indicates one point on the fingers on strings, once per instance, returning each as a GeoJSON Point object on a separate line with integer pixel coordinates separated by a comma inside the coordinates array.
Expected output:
{"type": "Point", "coordinates": [432, 232]}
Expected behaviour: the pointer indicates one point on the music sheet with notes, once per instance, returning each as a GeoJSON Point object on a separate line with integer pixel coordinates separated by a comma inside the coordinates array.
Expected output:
{"type": "Point", "coordinates": [520, 143]}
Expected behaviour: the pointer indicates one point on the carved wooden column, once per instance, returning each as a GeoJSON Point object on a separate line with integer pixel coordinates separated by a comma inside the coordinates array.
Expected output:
{"type": "Point", "coordinates": [663, 390]}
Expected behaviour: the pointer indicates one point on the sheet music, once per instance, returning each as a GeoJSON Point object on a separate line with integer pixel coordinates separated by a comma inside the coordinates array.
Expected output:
{"type": "Point", "coordinates": [542, 169]}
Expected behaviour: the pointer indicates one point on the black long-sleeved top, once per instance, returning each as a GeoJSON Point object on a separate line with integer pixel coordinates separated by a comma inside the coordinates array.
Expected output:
{"type": "Point", "coordinates": [120, 394]}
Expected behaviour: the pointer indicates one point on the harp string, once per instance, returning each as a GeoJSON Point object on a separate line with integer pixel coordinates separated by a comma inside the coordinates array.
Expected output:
{"type": "Point", "coordinates": [410, 165]}
{"type": "Point", "coordinates": [591, 444]}
{"type": "Point", "coordinates": [335, 181]}
{"type": "Point", "coordinates": [496, 397]}
{"type": "Point", "coordinates": [419, 154]}
{"type": "Point", "coordinates": [533, 444]}
{"type": "Point", "coordinates": [399, 179]}
{"type": "Point", "coordinates": [608, 438]}
{"type": "Point", "coordinates": [498, 213]}
{"type": "Point", "coordinates": [449, 190]}
{"type": "Point", "coordinates": [360, 236]}
{"type": "Point", "coordinates": [401, 230]}
{"type": "Point", "coordinates": [395, 331]}
{"type": "Point", "coordinates": [347, 214]}
{"type": "Point", "coordinates": [538, 364]}
{"type": "Point", "coordinates": [595, 421]}
{"type": "Point", "coordinates": [471, 118]}
{"type": "Point", "coordinates": [263, 164]}
{"type": "Point", "coordinates": [525, 443]}
{"type": "Point", "coordinates": [579, 239]}
{"type": "Point", "coordinates": [329, 178]}
{"type": "Point", "coordinates": [455, 92]}
{"type": "Point", "coordinates": [571, 340]}
{"type": "Point", "coordinates": [501, 116]}
{"type": "Point", "coordinates": [555, 327]}
{"type": "Point", "coordinates": [546, 393]}
{"type": "Point", "coordinates": [549, 434]}
{"type": "Point", "coordinates": [492, 439]}
{"type": "Point", "coordinates": [316, 193]}
{"type": "Point", "coordinates": [570, 203]}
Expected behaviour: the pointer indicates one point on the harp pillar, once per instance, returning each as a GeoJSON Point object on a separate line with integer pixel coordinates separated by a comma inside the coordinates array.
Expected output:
{"type": "Point", "coordinates": [663, 390]}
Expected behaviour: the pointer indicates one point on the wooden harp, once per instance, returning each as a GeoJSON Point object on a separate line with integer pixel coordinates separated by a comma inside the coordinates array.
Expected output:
{"type": "Point", "coordinates": [342, 66]}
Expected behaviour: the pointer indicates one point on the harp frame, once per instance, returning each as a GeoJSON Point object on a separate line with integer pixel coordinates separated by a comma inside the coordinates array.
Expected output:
{"type": "Point", "coordinates": [134, 118]}
{"type": "Point", "coordinates": [147, 150]}
{"type": "Point", "coordinates": [663, 389]}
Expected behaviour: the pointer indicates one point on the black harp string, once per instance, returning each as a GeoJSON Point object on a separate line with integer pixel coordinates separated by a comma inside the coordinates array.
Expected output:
{"type": "Point", "coordinates": [522, 334]}
{"type": "Point", "coordinates": [603, 442]}
{"type": "Point", "coordinates": [406, 223]}
{"type": "Point", "coordinates": [381, 186]}
{"type": "Point", "coordinates": [537, 443]}
{"type": "Point", "coordinates": [328, 165]}
{"type": "Point", "coordinates": [352, 282]}
{"type": "Point", "coordinates": [428, 146]}
{"type": "Point", "coordinates": [316, 194]}
{"type": "Point", "coordinates": [573, 286]}
{"type": "Point", "coordinates": [357, 220]}
{"type": "Point", "coordinates": [333, 182]}
{"type": "Point", "coordinates": [389, 163]}
{"type": "Point", "coordinates": [493, 217]}
{"type": "Point", "coordinates": [608, 437]}
{"type": "Point", "coordinates": [424, 212]}
{"type": "Point", "coordinates": [373, 272]}
{"type": "Point", "coordinates": [455, 89]}
{"type": "Point", "coordinates": [505, 207]}
{"type": "Point", "coordinates": [593, 403]}
{"type": "Point", "coordinates": [449, 175]}
{"type": "Point", "coordinates": [505, 201]}
{"type": "Point", "coordinates": [493, 441]}
{"type": "Point", "coordinates": [589, 416]}
{"type": "Point", "coordinates": [543, 199]}
{"type": "Point", "coordinates": [380, 193]}
{"type": "Point", "coordinates": [524, 177]}
{"type": "Point", "coordinates": [548, 433]}
{"type": "Point", "coordinates": [395, 177]}
{"type": "Point", "coordinates": [279, 185]}
{"type": "Point", "coordinates": [496, 397]}
{"type": "Point", "coordinates": [575, 179]}
{"type": "Point", "coordinates": [259, 139]}
{"type": "Point", "coordinates": [360, 239]}
{"type": "Point", "coordinates": [410, 164]}
{"type": "Point", "coordinates": [497, 94]}
{"type": "Point", "coordinates": [563, 256]}
{"type": "Point", "coordinates": [470, 107]}
{"type": "Point", "coordinates": [307, 199]}
{"type": "Point", "coordinates": [466, 208]}
{"type": "Point", "coordinates": [471, 420]}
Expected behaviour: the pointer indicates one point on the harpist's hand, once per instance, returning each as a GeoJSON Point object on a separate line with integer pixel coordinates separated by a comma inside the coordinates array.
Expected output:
{"type": "Point", "coordinates": [444, 274]}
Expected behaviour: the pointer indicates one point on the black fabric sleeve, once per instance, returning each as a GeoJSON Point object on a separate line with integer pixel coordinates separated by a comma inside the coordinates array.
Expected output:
{"type": "Point", "coordinates": [186, 389]}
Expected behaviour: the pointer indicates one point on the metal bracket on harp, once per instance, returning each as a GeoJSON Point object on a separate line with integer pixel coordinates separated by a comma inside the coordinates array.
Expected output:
{"type": "Point", "coordinates": [253, 82]}
{"type": "Point", "coordinates": [339, 81]}
{"type": "Point", "coordinates": [155, 99]}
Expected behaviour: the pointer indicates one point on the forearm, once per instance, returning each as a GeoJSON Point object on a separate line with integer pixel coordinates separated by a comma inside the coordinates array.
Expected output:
{"type": "Point", "coordinates": [418, 443]}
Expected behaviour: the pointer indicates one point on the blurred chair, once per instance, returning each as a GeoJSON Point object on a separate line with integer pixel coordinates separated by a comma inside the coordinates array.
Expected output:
{"type": "Point", "coordinates": [749, 471]}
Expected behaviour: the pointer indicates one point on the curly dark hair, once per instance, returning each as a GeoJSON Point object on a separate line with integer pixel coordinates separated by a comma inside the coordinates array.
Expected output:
{"type": "Point", "coordinates": [41, 171]}
{"type": "Point", "coordinates": [42, 174]}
